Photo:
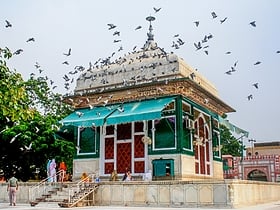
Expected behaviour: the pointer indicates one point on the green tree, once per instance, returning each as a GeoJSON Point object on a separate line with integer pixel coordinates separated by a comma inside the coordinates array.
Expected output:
{"type": "Point", "coordinates": [29, 117]}
{"type": "Point", "coordinates": [231, 145]}
{"type": "Point", "coordinates": [13, 98]}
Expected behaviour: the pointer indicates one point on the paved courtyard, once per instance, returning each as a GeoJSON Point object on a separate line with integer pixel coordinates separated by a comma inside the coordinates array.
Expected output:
{"type": "Point", "coordinates": [54, 206]}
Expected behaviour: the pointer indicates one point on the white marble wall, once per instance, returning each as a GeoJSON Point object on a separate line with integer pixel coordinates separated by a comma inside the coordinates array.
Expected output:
{"type": "Point", "coordinates": [89, 166]}
{"type": "Point", "coordinates": [226, 194]}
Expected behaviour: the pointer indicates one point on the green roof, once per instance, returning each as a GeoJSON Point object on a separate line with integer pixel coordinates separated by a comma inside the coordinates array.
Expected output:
{"type": "Point", "coordinates": [118, 113]}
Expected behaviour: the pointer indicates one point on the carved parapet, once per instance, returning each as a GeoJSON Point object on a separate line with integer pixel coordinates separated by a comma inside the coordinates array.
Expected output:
{"type": "Point", "coordinates": [182, 86]}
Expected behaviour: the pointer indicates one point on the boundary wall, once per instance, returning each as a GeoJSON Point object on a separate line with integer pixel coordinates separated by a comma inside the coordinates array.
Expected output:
{"type": "Point", "coordinates": [205, 193]}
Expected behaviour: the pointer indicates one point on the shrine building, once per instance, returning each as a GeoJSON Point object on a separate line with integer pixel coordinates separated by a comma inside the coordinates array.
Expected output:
{"type": "Point", "coordinates": [147, 112]}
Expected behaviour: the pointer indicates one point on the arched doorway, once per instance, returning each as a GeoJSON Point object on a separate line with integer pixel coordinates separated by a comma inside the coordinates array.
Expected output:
{"type": "Point", "coordinates": [257, 175]}
{"type": "Point", "coordinates": [202, 147]}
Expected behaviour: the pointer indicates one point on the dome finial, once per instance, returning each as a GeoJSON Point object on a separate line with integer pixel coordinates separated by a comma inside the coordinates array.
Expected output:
{"type": "Point", "coordinates": [150, 34]}
{"type": "Point", "coordinates": [150, 43]}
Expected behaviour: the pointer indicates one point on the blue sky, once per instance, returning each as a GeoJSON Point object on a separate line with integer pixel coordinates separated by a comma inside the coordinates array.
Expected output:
{"type": "Point", "coordinates": [58, 25]}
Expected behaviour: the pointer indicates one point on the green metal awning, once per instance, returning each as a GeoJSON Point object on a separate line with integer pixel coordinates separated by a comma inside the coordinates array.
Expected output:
{"type": "Point", "coordinates": [118, 113]}
{"type": "Point", "coordinates": [87, 117]}
{"type": "Point", "coordinates": [139, 111]}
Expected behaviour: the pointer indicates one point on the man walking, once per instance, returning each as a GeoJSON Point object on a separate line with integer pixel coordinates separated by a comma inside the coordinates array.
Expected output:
{"type": "Point", "coordinates": [12, 189]}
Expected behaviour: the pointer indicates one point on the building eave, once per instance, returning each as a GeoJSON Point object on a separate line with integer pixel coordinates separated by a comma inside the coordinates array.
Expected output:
{"type": "Point", "coordinates": [179, 86]}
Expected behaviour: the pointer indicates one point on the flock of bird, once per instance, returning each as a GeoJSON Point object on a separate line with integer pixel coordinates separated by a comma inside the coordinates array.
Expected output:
{"type": "Point", "coordinates": [201, 45]}
{"type": "Point", "coordinates": [177, 43]}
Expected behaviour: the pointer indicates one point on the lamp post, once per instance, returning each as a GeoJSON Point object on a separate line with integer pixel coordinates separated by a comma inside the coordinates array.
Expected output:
{"type": "Point", "coordinates": [242, 154]}
{"type": "Point", "coordinates": [252, 145]}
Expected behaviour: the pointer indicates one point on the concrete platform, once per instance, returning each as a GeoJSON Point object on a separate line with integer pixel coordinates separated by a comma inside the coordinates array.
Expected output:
{"type": "Point", "coordinates": [54, 206]}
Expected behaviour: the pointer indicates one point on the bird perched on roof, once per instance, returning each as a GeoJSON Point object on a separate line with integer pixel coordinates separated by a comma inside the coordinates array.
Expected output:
{"type": "Point", "coordinates": [8, 24]}
{"type": "Point", "coordinates": [192, 75]}
{"type": "Point", "coordinates": [80, 114]}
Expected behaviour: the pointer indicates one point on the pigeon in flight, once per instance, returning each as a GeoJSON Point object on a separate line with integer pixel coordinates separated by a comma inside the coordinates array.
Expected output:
{"type": "Point", "coordinates": [138, 27]}
{"type": "Point", "coordinates": [111, 26]}
{"type": "Point", "coordinates": [8, 24]}
{"type": "Point", "coordinates": [223, 20]}
{"type": "Point", "coordinates": [30, 40]}
{"type": "Point", "coordinates": [228, 72]}
{"type": "Point", "coordinates": [253, 23]}
{"type": "Point", "coordinates": [78, 148]}
{"type": "Point", "coordinates": [28, 147]}
{"type": "Point", "coordinates": [256, 85]}
{"type": "Point", "coordinates": [4, 129]}
{"type": "Point", "coordinates": [214, 15]}
{"type": "Point", "coordinates": [157, 9]}
{"type": "Point", "coordinates": [196, 23]}
{"type": "Point", "coordinates": [68, 53]}
{"type": "Point", "coordinates": [250, 97]}
{"type": "Point", "coordinates": [14, 138]}
{"type": "Point", "coordinates": [257, 63]}
{"type": "Point", "coordinates": [18, 51]}
{"type": "Point", "coordinates": [65, 62]}
{"type": "Point", "coordinates": [180, 41]}
{"type": "Point", "coordinates": [116, 33]}
{"type": "Point", "coordinates": [198, 46]}
{"type": "Point", "coordinates": [37, 65]}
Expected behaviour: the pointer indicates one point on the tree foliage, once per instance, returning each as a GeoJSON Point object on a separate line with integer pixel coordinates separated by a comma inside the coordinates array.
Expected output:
{"type": "Point", "coordinates": [29, 116]}
{"type": "Point", "coordinates": [231, 145]}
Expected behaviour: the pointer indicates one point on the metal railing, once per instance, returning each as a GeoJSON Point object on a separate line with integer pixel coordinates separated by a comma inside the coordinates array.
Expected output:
{"type": "Point", "coordinates": [41, 188]}
{"type": "Point", "coordinates": [80, 186]}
